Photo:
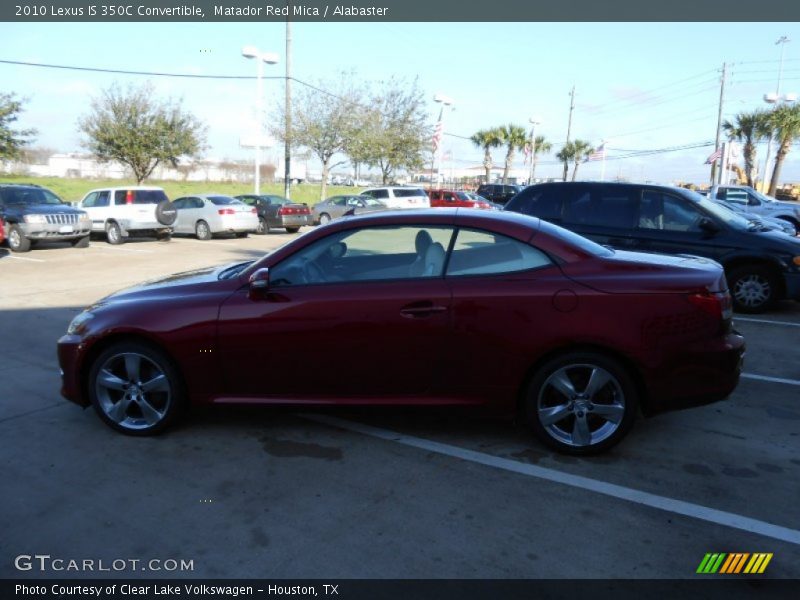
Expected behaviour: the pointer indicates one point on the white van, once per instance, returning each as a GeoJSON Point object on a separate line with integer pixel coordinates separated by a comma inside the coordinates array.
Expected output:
{"type": "Point", "coordinates": [400, 197]}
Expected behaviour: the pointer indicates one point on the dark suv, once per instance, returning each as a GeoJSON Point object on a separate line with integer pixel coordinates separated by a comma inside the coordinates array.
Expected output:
{"type": "Point", "coordinates": [31, 213]}
{"type": "Point", "coordinates": [497, 192]}
{"type": "Point", "coordinates": [761, 265]}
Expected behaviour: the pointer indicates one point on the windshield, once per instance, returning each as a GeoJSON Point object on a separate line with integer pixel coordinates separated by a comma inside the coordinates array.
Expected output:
{"type": "Point", "coordinates": [223, 200]}
{"type": "Point", "coordinates": [28, 196]}
{"type": "Point", "coordinates": [723, 212]}
{"type": "Point", "coordinates": [277, 200]}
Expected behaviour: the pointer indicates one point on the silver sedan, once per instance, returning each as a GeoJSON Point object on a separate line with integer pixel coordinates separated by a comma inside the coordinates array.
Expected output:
{"type": "Point", "coordinates": [337, 206]}
{"type": "Point", "coordinates": [207, 214]}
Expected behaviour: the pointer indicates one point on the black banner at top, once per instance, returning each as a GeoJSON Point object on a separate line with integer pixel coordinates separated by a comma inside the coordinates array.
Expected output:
{"type": "Point", "coordinates": [398, 10]}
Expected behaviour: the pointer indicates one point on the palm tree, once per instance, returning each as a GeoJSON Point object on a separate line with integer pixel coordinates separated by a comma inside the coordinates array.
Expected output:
{"type": "Point", "coordinates": [540, 146]}
{"type": "Point", "coordinates": [785, 124]}
{"type": "Point", "coordinates": [514, 137]}
{"type": "Point", "coordinates": [576, 151]}
{"type": "Point", "coordinates": [748, 128]}
{"type": "Point", "coordinates": [487, 139]}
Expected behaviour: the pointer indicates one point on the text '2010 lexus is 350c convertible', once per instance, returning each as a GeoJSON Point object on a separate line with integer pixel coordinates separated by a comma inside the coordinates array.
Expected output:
{"type": "Point", "coordinates": [500, 312]}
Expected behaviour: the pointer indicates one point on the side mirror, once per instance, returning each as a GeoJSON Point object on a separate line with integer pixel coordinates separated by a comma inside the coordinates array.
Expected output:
{"type": "Point", "coordinates": [708, 226]}
{"type": "Point", "coordinates": [259, 283]}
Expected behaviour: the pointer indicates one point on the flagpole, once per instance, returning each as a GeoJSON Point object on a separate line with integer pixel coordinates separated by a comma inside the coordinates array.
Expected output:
{"type": "Point", "coordinates": [437, 145]}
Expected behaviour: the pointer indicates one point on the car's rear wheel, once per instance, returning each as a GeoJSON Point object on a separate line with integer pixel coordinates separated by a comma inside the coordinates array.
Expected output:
{"type": "Point", "coordinates": [202, 231]}
{"type": "Point", "coordinates": [292, 229]}
{"type": "Point", "coordinates": [114, 234]}
{"type": "Point", "coordinates": [581, 403]}
{"type": "Point", "coordinates": [81, 242]}
{"type": "Point", "coordinates": [754, 288]}
{"type": "Point", "coordinates": [135, 388]}
{"type": "Point", "coordinates": [263, 228]}
{"type": "Point", "coordinates": [17, 240]}
{"type": "Point", "coordinates": [324, 218]}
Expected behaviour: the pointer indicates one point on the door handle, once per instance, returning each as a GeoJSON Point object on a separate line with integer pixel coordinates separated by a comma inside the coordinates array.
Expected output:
{"type": "Point", "coordinates": [419, 310]}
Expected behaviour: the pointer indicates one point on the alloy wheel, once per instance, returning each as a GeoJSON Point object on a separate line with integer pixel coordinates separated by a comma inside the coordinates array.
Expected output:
{"type": "Point", "coordinates": [752, 290]}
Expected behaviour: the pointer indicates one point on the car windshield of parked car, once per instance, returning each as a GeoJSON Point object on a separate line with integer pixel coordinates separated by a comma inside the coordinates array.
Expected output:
{"type": "Point", "coordinates": [277, 200]}
{"type": "Point", "coordinates": [723, 212]}
{"type": "Point", "coordinates": [223, 200]}
{"type": "Point", "coordinates": [29, 196]}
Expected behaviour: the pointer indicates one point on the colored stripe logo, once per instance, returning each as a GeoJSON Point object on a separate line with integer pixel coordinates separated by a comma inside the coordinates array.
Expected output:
{"type": "Point", "coordinates": [734, 563]}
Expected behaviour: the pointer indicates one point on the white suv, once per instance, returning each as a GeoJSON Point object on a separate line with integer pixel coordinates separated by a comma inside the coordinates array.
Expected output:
{"type": "Point", "coordinates": [400, 197]}
{"type": "Point", "coordinates": [124, 211]}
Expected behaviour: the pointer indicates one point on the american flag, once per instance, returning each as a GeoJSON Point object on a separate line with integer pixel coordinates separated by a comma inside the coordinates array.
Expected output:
{"type": "Point", "coordinates": [598, 153]}
{"type": "Point", "coordinates": [714, 156]}
{"type": "Point", "coordinates": [437, 135]}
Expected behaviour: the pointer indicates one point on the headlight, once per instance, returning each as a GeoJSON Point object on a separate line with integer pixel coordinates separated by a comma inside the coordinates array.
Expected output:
{"type": "Point", "coordinates": [78, 324]}
{"type": "Point", "coordinates": [35, 219]}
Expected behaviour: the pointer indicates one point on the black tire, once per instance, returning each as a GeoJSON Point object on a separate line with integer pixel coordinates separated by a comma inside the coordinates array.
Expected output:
{"type": "Point", "coordinates": [114, 234]}
{"type": "Point", "coordinates": [164, 237]}
{"type": "Point", "coordinates": [754, 288]}
{"type": "Point", "coordinates": [324, 218]}
{"type": "Point", "coordinates": [166, 213]}
{"type": "Point", "coordinates": [292, 229]}
{"type": "Point", "coordinates": [242, 234]}
{"type": "Point", "coordinates": [202, 231]}
{"type": "Point", "coordinates": [121, 396]}
{"type": "Point", "coordinates": [555, 410]}
{"type": "Point", "coordinates": [263, 228]}
{"type": "Point", "coordinates": [81, 242]}
{"type": "Point", "coordinates": [16, 239]}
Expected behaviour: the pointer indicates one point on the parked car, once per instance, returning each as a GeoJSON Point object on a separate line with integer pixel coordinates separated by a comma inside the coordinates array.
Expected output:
{"type": "Point", "coordinates": [206, 215]}
{"type": "Point", "coordinates": [399, 196]}
{"type": "Point", "coordinates": [498, 192]}
{"type": "Point", "coordinates": [337, 206]}
{"type": "Point", "coordinates": [481, 309]}
{"type": "Point", "coordinates": [762, 266]}
{"type": "Point", "coordinates": [454, 198]}
{"type": "Point", "coordinates": [768, 222]}
{"type": "Point", "coordinates": [30, 214]}
{"type": "Point", "coordinates": [754, 202]}
{"type": "Point", "coordinates": [277, 211]}
{"type": "Point", "coordinates": [478, 198]}
{"type": "Point", "coordinates": [121, 212]}
{"type": "Point", "coordinates": [2, 231]}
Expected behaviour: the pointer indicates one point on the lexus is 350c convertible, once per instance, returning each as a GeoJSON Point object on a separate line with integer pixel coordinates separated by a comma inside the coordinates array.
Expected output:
{"type": "Point", "coordinates": [497, 311]}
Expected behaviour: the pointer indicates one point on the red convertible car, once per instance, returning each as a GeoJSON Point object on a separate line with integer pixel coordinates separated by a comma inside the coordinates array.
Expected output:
{"type": "Point", "coordinates": [460, 307]}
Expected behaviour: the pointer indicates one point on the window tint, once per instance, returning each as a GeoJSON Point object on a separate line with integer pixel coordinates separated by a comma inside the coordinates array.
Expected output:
{"type": "Point", "coordinates": [90, 200]}
{"type": "Point", "coordinates": [603, 206]}
{"type": "Point", "coordinates": [139, 196]}
{"type": "Point", "coordinates": [339, 200]}
{"type": "Point", "coordinates": [367, 254]}
{"type": "Point", "coordinates": [481, 253]}
{"type": "Point", "coordinates": [249, 200]}
{"type": "Point", "coordinates": [408, 192]}
{"type": "Point", "coordinates": [668, 213]}
{"type": "Point", "coordinates": [379, 193]}
{"type": "Point", "coordinates": [544, 203]}
{"type": "Point", "coordinates": [179, 203]}
{"type": "Point", "coordinates": [737, 196]}
{"type": "Point", "coordinates": [102, 198]}
{"type": "Point", "coordinates": [223, 200]}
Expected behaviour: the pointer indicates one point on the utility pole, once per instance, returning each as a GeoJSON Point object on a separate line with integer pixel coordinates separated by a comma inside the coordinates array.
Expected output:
{"type": "Point", "coordinates": [719, 123]}
{"type": "Point", "coordinates": [287, 157]}
{"type": "Point", "coordinates": [569, 124]}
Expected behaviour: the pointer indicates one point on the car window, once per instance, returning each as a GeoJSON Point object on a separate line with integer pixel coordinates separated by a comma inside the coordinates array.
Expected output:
{"type": "Point", "coordinates": [90, 200]}
{"type": "Point", "coordinates": [340, 201]}
{"type": "Point", "coordinates": [544, 203]}
{"type": "Point", "coordinates": [248, 200]}
{"type": "Point", "coordinates": [737, 196]}
{"type": "Point", "coordinates": [408, 192]}
{"type": "Point", "coordinates": [603, 206]}
{"type": "Point", "coordinates": [196, 203]}
{"type": "Point", "coordinates": [179, 203]}
{"type": "Point", "coordinates": [223, 200]}
{"type": "Point", "coordinates": [379, 193]}
{"type": "Point", "coordinates": [668, 213]}
{"type": "Point", "coordinates": [482, 253]}
{"type": "Point", "coordinates": [367, 254]}
{"type": "Point", "coordinates": [102, 198]}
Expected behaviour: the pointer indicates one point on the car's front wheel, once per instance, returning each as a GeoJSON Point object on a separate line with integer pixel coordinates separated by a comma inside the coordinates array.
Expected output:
{"type": "Point", "coordinates": [263, 228]}
{"type": "Point", "coordinates": [581, 403]}
{"type": "Point", "coordinates": [754, 289]}
{"type": "Point", "coordinates": [324, 218]}
{"type": "Point", "coordinates": [135, 388]}
{"type": "Point", "coordinates": [17, 240]}
{"type": "Point", "coordinates": [202, 231]}
{"type": "Point", "coordinates": [114, 234]}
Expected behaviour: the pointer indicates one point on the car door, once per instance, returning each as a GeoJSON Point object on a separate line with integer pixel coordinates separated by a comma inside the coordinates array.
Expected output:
{"type": "Point", "coordinates": [671, 224]}
{"type": "Point", "coordinates": [501, 287]}
{"type": "Point", "coordinates": [96, 204]}
{"type": "Point", "coordinates": [344, 318]}
{"type": "Point", "coordinates": [606, 214]}
{"type": "Point", "coordinates": [181, 224]}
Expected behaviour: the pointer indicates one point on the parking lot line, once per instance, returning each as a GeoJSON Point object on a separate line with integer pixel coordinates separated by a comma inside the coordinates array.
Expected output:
{"type": "Point", "coordinates": [784, 323]}
{"type": "Point", "coordinates": [680, 507]}
{"type": "Point", "coordinates": [770, 379]}
{"type": "Point", "coordinates": [208, 243]}
{"type": "Point", "coordinates": [25, 258]}
{"type": "Point", "coordinates": [114, 249]}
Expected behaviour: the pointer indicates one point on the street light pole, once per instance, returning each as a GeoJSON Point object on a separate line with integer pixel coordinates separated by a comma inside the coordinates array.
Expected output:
{"type": "Point", "coordinates": [261, 58]}
{"type": "Point", "coordinates": [534, 122]}
{"type": "Point", "coordinates": [774, 99]}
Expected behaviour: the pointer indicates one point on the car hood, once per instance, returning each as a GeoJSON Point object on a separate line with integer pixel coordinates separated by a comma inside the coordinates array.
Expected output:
{"type": "Point", "coordinates": [179, 284]}
{"type": "Point", "coordinates": [47, 209]}
{"type": "Point", "coordinates": [643, 273]}
{"type": "Point", "coordinates": [781, 206]}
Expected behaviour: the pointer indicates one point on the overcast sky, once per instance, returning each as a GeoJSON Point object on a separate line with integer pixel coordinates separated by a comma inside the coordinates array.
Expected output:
{"type": "Point", "coordinates": [644, 86]}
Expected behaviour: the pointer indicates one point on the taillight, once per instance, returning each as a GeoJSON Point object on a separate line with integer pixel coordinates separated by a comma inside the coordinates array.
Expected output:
{"type": "Point", "coordinates": [226, 211]}
{"type": "Point", "coordinates": [253, 210]}
{"type": "Point", "coordinates": [129, 197]}
{"type": "Point", "coordinates": [716, 304]}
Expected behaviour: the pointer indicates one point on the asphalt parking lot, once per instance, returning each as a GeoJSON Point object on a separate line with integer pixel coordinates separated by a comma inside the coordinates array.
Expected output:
{"type": "Point", "coordinates": [245, 492]}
